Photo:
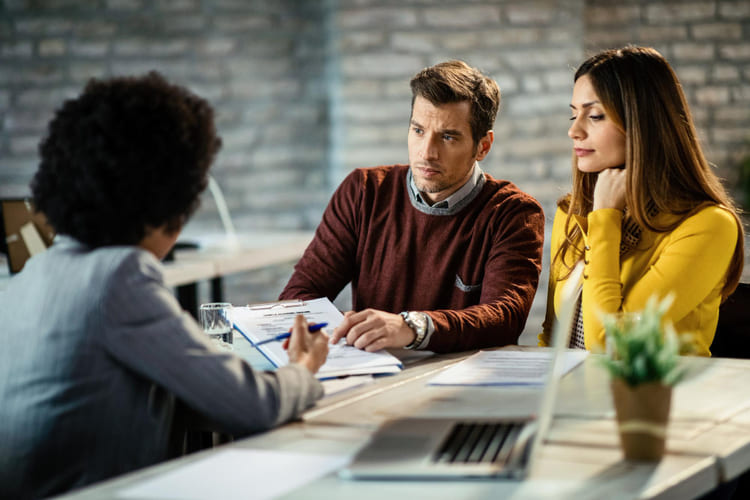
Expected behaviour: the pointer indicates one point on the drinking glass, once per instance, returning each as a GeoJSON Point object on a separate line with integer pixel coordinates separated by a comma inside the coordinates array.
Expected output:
{"type": "Point", "coordinates": [216, 320]}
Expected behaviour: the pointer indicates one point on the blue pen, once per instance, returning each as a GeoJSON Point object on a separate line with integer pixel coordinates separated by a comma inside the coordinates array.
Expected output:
{"type": "Point", "coordinates": [311, 328]}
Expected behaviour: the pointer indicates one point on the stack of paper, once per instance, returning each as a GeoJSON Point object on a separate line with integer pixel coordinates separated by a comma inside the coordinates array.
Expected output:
{"type": "Point", "coordinates": [263, 321]}
{"type": "Point", "coordinates": [506, 368]}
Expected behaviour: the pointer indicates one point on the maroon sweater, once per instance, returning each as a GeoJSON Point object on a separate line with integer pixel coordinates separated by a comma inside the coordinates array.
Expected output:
{"type": "Point", "coordinates": [474, 272]}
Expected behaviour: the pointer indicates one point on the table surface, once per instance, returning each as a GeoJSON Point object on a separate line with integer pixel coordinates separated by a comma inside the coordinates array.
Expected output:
{"type": "Point", "coordinates": [708, 438]}
{"type": "Point", "coordinates": [220, 255]}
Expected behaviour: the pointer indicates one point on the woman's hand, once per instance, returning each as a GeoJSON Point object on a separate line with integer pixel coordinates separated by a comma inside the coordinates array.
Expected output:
{"type": "Point", "coordinates": [308, 349]}
{"type": "Point", "coordinates": [610, 189]}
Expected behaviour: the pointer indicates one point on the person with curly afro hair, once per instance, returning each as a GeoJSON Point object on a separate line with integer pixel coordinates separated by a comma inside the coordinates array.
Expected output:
{"type": "Point", "coordinates": [96, 351]}
{"type": "Point", "coordinates": [127, 155]}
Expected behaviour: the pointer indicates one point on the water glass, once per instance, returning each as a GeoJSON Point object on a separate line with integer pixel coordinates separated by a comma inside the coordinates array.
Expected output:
{"type": "Point", "coordinates": [216, 320]}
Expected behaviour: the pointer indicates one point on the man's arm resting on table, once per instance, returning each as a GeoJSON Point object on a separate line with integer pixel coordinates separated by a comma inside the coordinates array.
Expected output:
{"type": "Point", "coordinates": [372, 330]}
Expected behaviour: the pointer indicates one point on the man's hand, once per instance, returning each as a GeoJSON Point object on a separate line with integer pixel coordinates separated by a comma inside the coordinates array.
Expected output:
{"type": "Point", "coordinates": [372, 330]}
{"type": "Point", "coordinates": [308, 349]}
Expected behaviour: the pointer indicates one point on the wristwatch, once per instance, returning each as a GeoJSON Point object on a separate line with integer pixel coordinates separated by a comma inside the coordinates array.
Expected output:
{"type": "Point", "coordinates": [417, 321]}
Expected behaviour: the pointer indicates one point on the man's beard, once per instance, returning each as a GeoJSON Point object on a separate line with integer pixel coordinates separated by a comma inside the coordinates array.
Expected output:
{"type": "Point", "coordinates": [429, 187]}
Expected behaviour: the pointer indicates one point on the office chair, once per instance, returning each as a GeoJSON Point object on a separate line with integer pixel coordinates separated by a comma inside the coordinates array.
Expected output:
{"type": "Point", "coordinates": [732, 338]}
{"type": "Point", "coordinates": [24, 232]}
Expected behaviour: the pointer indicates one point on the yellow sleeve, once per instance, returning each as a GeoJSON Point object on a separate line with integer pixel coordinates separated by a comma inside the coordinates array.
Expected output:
{"type": "Point", "coordinates": [692, 261]}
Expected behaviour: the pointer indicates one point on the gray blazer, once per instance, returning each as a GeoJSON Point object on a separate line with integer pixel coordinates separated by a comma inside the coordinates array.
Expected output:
{"type": "Point", "coordinates": [92, 348]}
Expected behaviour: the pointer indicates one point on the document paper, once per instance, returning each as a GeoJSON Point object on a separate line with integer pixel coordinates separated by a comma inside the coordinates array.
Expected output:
{"type": "Point", "coordinates": [263, 321]}
{"type": "Point", "coordinates": [506, 368]}
{"type": "Point", "coordinates": [237, 474]}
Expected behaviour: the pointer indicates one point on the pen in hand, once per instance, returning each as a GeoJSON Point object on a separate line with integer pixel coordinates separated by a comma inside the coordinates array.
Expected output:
{"type": "Point", "coordinates": [311, 328]}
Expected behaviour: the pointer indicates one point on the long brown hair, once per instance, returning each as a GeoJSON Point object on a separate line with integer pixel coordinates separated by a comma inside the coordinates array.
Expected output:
{"type": "Point", "coordinates": [664, 163]}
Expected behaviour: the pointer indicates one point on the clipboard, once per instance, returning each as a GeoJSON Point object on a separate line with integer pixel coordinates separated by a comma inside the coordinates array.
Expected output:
{"type": "Point", "coordinates": [257, 322]}
{"type": "Point", "coordinates": [281, 304]}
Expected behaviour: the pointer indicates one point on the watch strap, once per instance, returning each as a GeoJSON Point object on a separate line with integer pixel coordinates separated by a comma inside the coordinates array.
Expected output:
{"type": "Point", "coordinates": [417, 321]}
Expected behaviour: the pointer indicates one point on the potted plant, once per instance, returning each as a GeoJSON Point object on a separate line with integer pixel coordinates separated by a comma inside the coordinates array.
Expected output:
{"type": "Point", "coordinates": [643, 360]}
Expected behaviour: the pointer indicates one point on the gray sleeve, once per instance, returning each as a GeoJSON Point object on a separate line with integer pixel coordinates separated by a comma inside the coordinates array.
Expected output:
{"type": "Point", "coordinates": [144, 328]}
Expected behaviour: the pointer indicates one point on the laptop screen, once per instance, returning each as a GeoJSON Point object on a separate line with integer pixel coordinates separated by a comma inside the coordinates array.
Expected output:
{"type": "Point", "coordinates": [23, 231]}
{"type": "Point", "coordinates": [469, 447]}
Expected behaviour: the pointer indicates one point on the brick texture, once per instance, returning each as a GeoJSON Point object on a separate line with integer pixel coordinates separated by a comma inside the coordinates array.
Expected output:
{"type": "Point", "coordinates": [708, 44]}
{"type": "Point", "coordinates": [305, 91]}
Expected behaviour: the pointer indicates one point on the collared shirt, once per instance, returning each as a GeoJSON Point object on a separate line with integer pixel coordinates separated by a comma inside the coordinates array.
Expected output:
{"type": "Point", "coordinates": [463, 287]}
{"type": "Point", "coordinates": [451, 202]}
{"type": "Point", "coordinates": [456, 197]}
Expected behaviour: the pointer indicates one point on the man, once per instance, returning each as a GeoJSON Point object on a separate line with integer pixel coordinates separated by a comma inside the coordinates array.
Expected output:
{"type": "Point", "coordinates": [95, 348]}
{"type": "Point", "coordinates": [440, 255]}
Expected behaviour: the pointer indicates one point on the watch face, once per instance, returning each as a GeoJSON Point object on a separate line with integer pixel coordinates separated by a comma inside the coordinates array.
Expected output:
{"type": "Point", "coordinates": [418, 320]}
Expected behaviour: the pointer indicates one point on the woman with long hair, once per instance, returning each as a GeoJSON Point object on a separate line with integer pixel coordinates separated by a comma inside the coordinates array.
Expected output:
{"type": "Point", "coordinates": [646, 214]}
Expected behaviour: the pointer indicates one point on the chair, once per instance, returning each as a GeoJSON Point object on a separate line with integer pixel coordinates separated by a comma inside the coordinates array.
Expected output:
{"type": "Point", "coordinates": [23, 231]}
{"type": "Point", "coordinates": [732, 338]}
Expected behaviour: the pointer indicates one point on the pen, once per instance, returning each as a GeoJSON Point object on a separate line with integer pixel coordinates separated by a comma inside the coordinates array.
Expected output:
{"type": "Point", "coordinates": [311, 328]}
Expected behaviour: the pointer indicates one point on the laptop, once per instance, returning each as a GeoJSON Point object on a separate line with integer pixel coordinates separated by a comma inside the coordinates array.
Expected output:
{"type": "Point", "coordinates": [24, 232]}
{"type": "Point", "coordinates": [452, 448]}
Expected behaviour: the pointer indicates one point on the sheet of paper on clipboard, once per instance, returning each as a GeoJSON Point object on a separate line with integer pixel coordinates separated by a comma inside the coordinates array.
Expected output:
{"type": "Point", "coordinates": [257, 322]}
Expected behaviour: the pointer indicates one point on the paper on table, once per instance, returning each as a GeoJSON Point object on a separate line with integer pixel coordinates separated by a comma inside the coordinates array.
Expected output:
{"type": "Point", "coordinates": [506, 368]}
{"type": "Point", "coordinates": [262, 321]}
{"type": "Point", "coordinates": [237, 474]}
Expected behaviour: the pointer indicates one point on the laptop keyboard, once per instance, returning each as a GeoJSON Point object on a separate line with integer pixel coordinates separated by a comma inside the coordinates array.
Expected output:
{"type": "Point", "coordinates": [479, 443]}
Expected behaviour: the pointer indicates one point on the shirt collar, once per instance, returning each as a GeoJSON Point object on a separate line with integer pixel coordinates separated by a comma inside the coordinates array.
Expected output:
{"type": "Point", "coordinates": [456, 197]}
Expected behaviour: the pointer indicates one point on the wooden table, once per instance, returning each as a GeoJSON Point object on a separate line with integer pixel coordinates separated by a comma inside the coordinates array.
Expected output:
{"type": "Point", "coordinates": [708, 438]}
{"type": "Point", "coordinates": [219, 256]}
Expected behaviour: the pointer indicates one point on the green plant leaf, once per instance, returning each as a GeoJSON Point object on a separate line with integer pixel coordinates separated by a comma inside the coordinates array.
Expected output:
{"type": "Point", "coordinates": [640, 349]}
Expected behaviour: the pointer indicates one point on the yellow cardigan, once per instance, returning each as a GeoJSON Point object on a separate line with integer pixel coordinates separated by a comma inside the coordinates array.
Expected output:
{"type": "Point", "coordinates": [691, 262]}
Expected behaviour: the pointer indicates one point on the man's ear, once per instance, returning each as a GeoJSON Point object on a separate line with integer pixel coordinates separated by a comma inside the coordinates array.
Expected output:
{"type": "Point", "coordinates": [485, 144]}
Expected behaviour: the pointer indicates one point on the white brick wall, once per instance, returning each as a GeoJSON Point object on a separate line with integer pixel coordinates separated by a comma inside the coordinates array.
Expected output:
{"type": "Point", "coordinates": [307, 90]}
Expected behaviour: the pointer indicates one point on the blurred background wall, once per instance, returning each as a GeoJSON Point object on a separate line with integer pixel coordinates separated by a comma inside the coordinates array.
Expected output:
{"type": "Point", "coordinates": [307, 90]}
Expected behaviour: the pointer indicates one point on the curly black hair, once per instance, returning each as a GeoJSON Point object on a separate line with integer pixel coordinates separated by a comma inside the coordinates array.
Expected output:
{"type": "Point", "coordinates": [127, 154]}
